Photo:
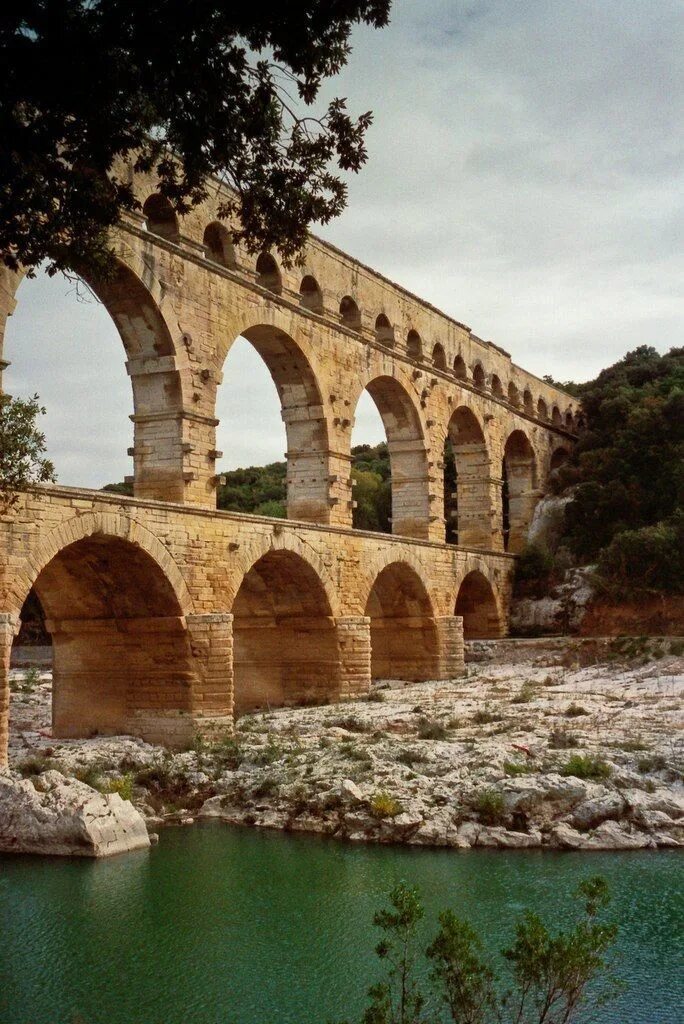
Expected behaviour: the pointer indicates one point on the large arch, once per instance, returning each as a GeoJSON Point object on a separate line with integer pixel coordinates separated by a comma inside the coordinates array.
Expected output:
{"type": "Point", "coordinates": [476, 603]}
{"type": "Point", "coordinates": [408, 456]}
{"type": "Point", "coordinates": [122, 659]}
{"type": "Point", "coordinates": [285, 646]}
{"type": "Point", "coordinates": [157, 397]}
{"type": "Point", "coordinates": [470, 504]}
{"type": "Point", "coordinates": [519, 490]}
{"type": "Point", "coordinates": [306, 427]}
{"type": "Point", "coordinates": [404, 640]}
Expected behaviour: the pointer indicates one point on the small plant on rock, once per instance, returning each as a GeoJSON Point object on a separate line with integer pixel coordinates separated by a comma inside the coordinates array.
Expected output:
{"type": "Point", "coordinates": [562, 739]}
{"type": "Point", "coordinates": [489, 805]}
{"type": "Point", "coordinates": [484, 717]}
{"type": "Point", "coordinates": [655, 763]}
{"type": "Point", "coordinates": [123, 785]}
{"type": "Point", "coordinates": [575, 711]}
{"type": "Point", "coordinates": [586, 767]}
{"type": "Point", "coordinates": [383, 805]}
{"type": "Point", "coordinates": [431, 729]}
{"type": "Point", "coordinates": [515, 768]}
{"type": "Point", "coordinates": [409, 757]}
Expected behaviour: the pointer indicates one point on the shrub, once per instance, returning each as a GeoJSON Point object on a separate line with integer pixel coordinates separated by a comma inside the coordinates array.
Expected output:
{"type": "Point", "coordinates": [431, 729]}
{"type": "Point", "coordinates": [376, 696]}
{"type": "Point", "coordinates": [36, 764]}
{"type": "Point", "coordinates": [489, 805]}
{"type": "Point", "coordinates": [655, 763]}
{"type": "Point", "coordinates": [383, 805]}
{"type": "Point", "coordinates": [575, 711]}
{"type": "Point", "coordinates": [123, 785]}
{"type": "Point", "coordinates": [484, 717]}
{"type": "Point", "coordinates": [586, 767]}
{"type": "Point", "coordinates": [410, 757]}
{"type": "Point", "coordinates": [525, 694]}
{"type": "Point", "coordinates": [91, 774]}
{"type": "Point", "coordinates": [272, 751]}
{"type": "Point", "coordinates": [514, 768]}
{"type": "Point", "coordinates": [534, 564]}
{"type": "Point", "coordinates": [268, 785]}
{"type": "Point", "coordinates": [650, 558]}
{"type": "Point", "coordinates": [562, 739]}
{"type": "Point", "coordinates": [351, 723]}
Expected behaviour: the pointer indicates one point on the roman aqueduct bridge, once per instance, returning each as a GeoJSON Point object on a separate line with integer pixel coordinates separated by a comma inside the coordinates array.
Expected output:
{"type": "Point", "coordinates": [166, 615]}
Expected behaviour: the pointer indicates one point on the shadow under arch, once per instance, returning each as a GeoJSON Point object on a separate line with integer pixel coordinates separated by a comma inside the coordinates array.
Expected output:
{"type": "Point", "coordinates": [467, 494]}
{"type": "Point", "coordinates": [404, 639]}
{"type": "Point", "coordinates": [476, 603]}
{"type": "Point", "coordinates": [520, 494]}
{"type": "Point", "coordinates": [306, 427]}
{"type": "Point", "coordinates": [407, 454]}
{"type": "Point", "coordinates": [285, 645]}
{"type": "Point", "coordinates": [122, 660]}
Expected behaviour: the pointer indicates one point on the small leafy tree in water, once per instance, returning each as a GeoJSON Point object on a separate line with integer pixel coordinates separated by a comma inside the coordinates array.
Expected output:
{"type": "Point", "coordinates": [22, 449]}
{"type": "Point", "coordinates": [546, 982]}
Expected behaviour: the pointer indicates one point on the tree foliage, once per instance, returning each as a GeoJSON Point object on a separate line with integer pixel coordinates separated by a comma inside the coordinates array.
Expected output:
{"type": "Point", "coordinates": [548, 978]}
{"type": "Point", "coordinates": [22, 449]}
{"type": "Point", "coordinates": [628, 471]}
{"type": "Point", "coordinates": [191, 90]}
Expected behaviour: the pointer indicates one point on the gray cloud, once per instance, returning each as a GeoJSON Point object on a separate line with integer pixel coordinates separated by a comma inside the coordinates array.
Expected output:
{"type": "Point", "coordinates": [525, 175]}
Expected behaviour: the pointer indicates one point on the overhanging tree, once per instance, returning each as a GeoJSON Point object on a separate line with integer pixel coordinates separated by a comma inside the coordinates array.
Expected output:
{"type": "Point", "coordinates": [188, 88]}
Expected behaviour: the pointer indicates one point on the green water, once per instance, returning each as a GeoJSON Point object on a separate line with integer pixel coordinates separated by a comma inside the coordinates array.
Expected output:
{"type": "Point", "coordinates": [224, 926]}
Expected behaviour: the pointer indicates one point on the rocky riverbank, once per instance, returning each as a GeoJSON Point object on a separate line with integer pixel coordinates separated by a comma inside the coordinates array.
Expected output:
{"type": "Point", "coordinates": [560, 744]}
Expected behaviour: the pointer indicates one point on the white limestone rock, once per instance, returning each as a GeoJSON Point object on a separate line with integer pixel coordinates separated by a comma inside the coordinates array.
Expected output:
{"type": "Point", "coordinates": [65, 817]}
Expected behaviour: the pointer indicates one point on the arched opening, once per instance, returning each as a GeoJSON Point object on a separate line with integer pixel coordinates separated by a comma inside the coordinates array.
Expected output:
{"type": "Point", "coordinates": [479, 378]}
{"type": "Point", "coordinates": [218, 244]}
{"type": "Point", "coordinates": [513, 394]}
{"type": "Point", "coordinates": [160, 218]}
{"type": "Point", "coordinates": [285, 648]}
{"type": "Point", "coordinates": [556, 417]}
{"type": "Point", "coordinates": [542, 409]}
{"type": "Point", "coordinates": [558, 458]}
{"type": "Point", "coordinates": [64, 342]}
{"type": "Point", "coordinates": [350, 313]}
{"type": "Point", "coordinates": [384, 332]}
{"type": "Point", "coordinates": [476, 604]}
{"type": "Point", "coordinates": [268, 273]}
{"type": "Point", "coordinates": [404, 643]}
{"type": "Point", "coordinates": [497, 386]}
{"type": "Point", "coordinates": [569, 419]}
{"type": "Point", "coordinates": [467, 475]}
{"type": "Point", "coordinates": [414, 345]}
{"type": "Point", "coordinates": [408, 462]}
{"type": "Point", "coordinates": [519, 490]}
{"type": "Point", "coordinates": [439, 357]}
{"type": "Point", "coordinates": [122, 661]}
{"type": "Point", "coordinates": [528, 402]}
{"type": "Point", "coordinates": [310, 294]}
{"type": "Point", "coordinates": [460, 368]}
{"type": "Point", "coordinates": [251, 430]}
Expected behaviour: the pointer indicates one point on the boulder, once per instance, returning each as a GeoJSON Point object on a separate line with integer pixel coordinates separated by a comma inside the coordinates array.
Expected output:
{"type": "Point", "coordinates": [611, 835]}
{"type": "Point", "coordinates": [65, 817]}
{"type": "Point", "coordinates": [495, 835]}
{"type": "Point", "coordinates": [352, 791]}
{"type": "Point", "coordinates": [565, 837]}
{"type": "Point", "coordinates": [551, 794]}
{"type": "Point", "coordinates": [601, 807]}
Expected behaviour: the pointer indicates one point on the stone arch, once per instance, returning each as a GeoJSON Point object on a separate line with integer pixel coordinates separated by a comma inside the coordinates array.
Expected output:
{"type": "Point", "coordinates": [477, 604]}
{"type": "Point", "coordinates": [122, 658]}
{"type": "Point", "coordinates": [268, 273]}
{"type": "Point", "coordinates": [556, 417]}
{"type": "Point", "coordinates": [469, 504]}
{"type": "Point", "coordinates": [520, 492]}
{"type": "Point", "coordinates": [414, 345]}
{"type": "Point", "coordinates": [285, 646]}
{"type": "Point", "coordinates": [542, 409]}
{"type": "Point", "coordinates": [460, 368]}
{"type": "Point", "coordinates": [384, 332]}
{"type": "Point", "coordinates": [350, 313]}
{"type": "Point", "coordinates": [497, 386]}
{"type": "Point", "coordinates": [513, 394]}
{"type": "Point", "coordinates": [408, 456]}
{"type": "Point", "coordinates": [218, 244]}
{"type": "Point", "coordinates": [404, 639]}
{"type": "Point", "coordinates": [439, 357]}
{"type": "Point", "coordinates": [528, 402]}
{"type": "Point", "coordinates": [558, 457]}
{"type": "Point", "coordinates": [310, 294]}
{"type": "Point", "coordinates": [127, 295]}
{"type": "Point", "coordinates": [305, 422]}
{"type": "Point", "coordinates": [479, 376]}
{"type": "Point", "coordinates": [569, 419]}
{"type": "Point", "coordinates": [160, 217]}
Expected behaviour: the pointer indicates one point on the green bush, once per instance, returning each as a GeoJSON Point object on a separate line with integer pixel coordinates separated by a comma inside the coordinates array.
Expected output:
{"type": "Point", "coordinates": [383, 805]}
{"type": "Point", "coordinates": [489, 804]}
{"type": "Point", "coordinates": [648, 559]}
{"type": "Point", "coordinates": [534, 563]}
{"type": "Point", "coordinates": [514, 768]}
{"type": "Point", "coordinates": [655, 763]}
{"type": "Point", "coordinates": [586, 767]}
{"type": "Point", "coordinates": [36, 764]}
{"type": "Point", "coordinates": [123, 785]}
{"type": "Point", "coordinates": [410, 757]}
{"type": "Point", "coordinates": [575, 711]}
{"type": "Point", "coordinates": [431, 729]}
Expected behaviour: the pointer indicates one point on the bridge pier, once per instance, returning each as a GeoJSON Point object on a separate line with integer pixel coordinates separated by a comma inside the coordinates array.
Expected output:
{"type": "Point", "coordinates": [450, 644]}
{"type": "Point", "coordinates": [9, 625]}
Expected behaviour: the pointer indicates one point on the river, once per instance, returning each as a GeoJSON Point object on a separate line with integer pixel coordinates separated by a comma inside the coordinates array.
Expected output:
{"type": "Point", "coordinates": [227, 926]}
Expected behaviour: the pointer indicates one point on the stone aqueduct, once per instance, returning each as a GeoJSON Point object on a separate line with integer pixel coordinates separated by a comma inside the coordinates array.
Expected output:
{"type": "Point", "coordinates": [166, 615]}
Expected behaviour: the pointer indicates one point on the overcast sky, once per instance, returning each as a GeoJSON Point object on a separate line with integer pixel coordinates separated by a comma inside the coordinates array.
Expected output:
{"type": "Point", "coordinates": [524, 175]}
